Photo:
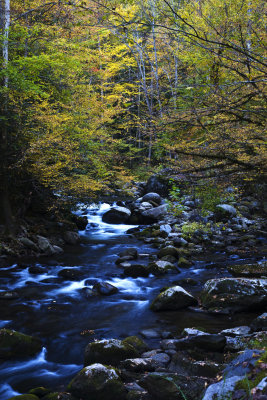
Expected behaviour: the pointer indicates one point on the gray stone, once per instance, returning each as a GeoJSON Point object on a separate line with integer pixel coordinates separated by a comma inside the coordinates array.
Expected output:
{"type": "Point", "coordinates": [226, 210]}
{"type": "Point", "coordinates": [234, 294]}
{"type": "Point", "coordinates": [71, 237]}
{"type": "Point", "coordinates": [174, 298]}
{"type": "Point", "coordinates": [116, 215]}
{"type": "Point", "coordinates": [28, 243]}
{"type": "Point", "coordinates": [45, 246]}
{"type": "Point", "coordinates": [109, 351]}
{"type": "Point", "coordinates": [238, 331]}
{"type": "Point", "coordinates": [155, 197]}
{"type": "Point", "coordinates": [168, 251]}
{"type": "Point", "coordinates": [168, 386]}
{"type": "Point", "coordinates": [156, 213]}
{"type": "Point", "coordinates": [97, 382]}
{"type": "Point", "coordinates": [105, 288]}
{"type": "Point", "coordinates": [161, 267]}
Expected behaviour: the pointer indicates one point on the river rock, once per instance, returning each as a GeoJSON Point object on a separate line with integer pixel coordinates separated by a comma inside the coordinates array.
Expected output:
{"type": "Point", "coordinates": [97, 382]}
{"type": "Point", "coordinates": [182, 363]}
{"type": "Point", "coordinates": [161, 267]}
{"type": "Point", "coordinates": [156, 213]}
{"type": "Point", "coordinates": [235, 371]}
{"type": "Point", "coordinates": [138, 344]}
{"type": "Point", "coordinates": [105, 288]}
{"type": "Point", "coordinates": [14, 344]}
{"type": "Point", "coordinates": [238, 331]}
{"type": "Point", "coordinates": [138, 364]}
{"type": "Point", "coordinates": [234, 294]}
{"type": "Point", "coordinates": [136, 270]}
{"type": "Point", "coordinates": [205, 341]}
{"type": "Point", "coordinates": [109, 351]}
{"type": "Point", "coordinates": [80, 221]}
{"type": "Point", "coordinates": [152, 197]}
{"type": "Point", "coordinates": [256, 270]}
{"type": "Point", "coordinates": [28, 243]}
{"type": "Point", "coordinates": [71, 274]}
{"type": "Point", "coordinates": [9, 295]}
{"type": "Point", "coordinates": [144, 206]}
{"type": "Point", "coordinates": [174, 298]}
{"type": "Point", "coordinates": [169, 386]}
{"type": "Point", "coordinates": [45, 246]}
{"type": "Point", "coordinates": [225, 211]}
{"type": "Point", "coordinates": [118, 215]}
{"type": "Point", "coordinates": [168, 251]}
{"type": "Point", "coordinates": [130, 252]}
{"type": "Point", "coordinates": [260, 323]}
{"type": "Point", "coordinates": [71, 237]}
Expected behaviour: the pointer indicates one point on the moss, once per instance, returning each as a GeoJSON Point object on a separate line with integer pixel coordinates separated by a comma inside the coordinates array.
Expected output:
{"type": "Point", "coordinates": [39, 391]}
{"type": "Point", "coordinates": [249, 382]}
{"type": "Point", "coordinates": [137, 343]}
{"type": "Point", "coordinates": [183, 262]}
{"type": "Point", "coordinates": [109, 352]}
{"type": "Point", "coordinates": [248, 270]}
{"type": "Point", "coordinates": [51, 396]}
{"type": "Point", "coordinates": [15, 344]}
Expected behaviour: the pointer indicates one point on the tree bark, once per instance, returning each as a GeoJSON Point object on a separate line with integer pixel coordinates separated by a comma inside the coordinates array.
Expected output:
{"type": "Point", "coordinates": [6, 216]}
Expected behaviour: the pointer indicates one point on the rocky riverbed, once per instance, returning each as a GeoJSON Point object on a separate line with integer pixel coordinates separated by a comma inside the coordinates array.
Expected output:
{"type": "Point", "coordinates": [171, 307]}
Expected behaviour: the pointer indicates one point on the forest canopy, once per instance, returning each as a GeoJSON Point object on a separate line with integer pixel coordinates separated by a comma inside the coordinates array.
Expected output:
{"type": "Point", "coordinates": [96, 92]}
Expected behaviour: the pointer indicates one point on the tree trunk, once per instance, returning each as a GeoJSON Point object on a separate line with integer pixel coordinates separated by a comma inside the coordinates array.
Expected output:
{"type": "Point", "coordinates": [6, 216]}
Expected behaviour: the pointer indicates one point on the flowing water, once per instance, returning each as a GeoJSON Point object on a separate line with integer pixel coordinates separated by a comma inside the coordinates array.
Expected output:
{"type": "Point", "coordinates": [58, 311]}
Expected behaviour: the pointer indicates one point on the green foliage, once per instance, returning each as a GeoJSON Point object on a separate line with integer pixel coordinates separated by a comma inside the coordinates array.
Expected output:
{"type": "Point", "coordinates": [189, 228]}
{"type": "Point", "coordinates": [174, 203]}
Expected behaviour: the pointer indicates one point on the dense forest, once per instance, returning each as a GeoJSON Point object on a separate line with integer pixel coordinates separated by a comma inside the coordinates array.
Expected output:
{"type": "Point", "coordinates": [133, 168]}
{"type": "Point", "coordinates": [94, 93]}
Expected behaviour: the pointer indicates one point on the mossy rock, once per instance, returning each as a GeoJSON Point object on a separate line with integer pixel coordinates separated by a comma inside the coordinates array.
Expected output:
{"type": "Point", "coordinates": [174, 298]}
{"type": "Point", "coordinates": [234, 294]}
{"type": "Point", "coordinates": [14, 344]}
{"type": "Point", "coordinates": [39, 391]}
{"type": "Point", "coordinates": [24, 397]}
{"type": "Point", "coordinates": [163, 386]}
{"type": "Point", "coordinates": [168, 251]}
{"type": "Point", "coordinates": [161, 267]}
{"type": "Point", "coordinates": [109, 352]}
{"type": "Point", "coordinates": [184, 263]}
{"type": "Point", "coordinates": [51, 396]}
{"type": "Point", "coordinates": [138, 344]}
{"type": "Point", "coordinates": [97, 382]}
{"type": "Point", "coordinates": [249, 270]}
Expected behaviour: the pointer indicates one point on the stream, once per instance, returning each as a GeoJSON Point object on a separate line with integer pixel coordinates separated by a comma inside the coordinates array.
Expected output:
{"type": "Point", "coordinates": [57, 310]}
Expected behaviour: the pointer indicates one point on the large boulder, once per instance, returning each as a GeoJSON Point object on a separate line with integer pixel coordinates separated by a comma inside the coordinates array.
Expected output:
{"type": "Point", "coordinates": [168, 386]}
{"type": "Point", "coordinates": [155, 214]}
{"type": "Point", "coordinates": [248, 270]}
{"type": "Point", "coordinates": [117, 215]}
{"type": "Point", "coordinates": [158, 184]}
{"type": "Point", "coordinates": [225, 211]}
{"type": "Point", "coordinates": [152, 197]}
{"type": "Point", "coordinates": [97, 382]}
{"type": "Point", "coordinates": [174, 298]}
{"type": "Point", "coordinates": [109, 351]}
{"type": "Point", "coordinates": [168, 251]}
{"type": "Point", "coordinates": [234, 294]}
{"type": "Point", "coordinates": [136, 270]}
{"type": "Point", "coordinates": [14, 344]}
{"type": "Point", "coordinates": [161, 267]}
{"type": "Point", "coordinates": [236, 371]}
